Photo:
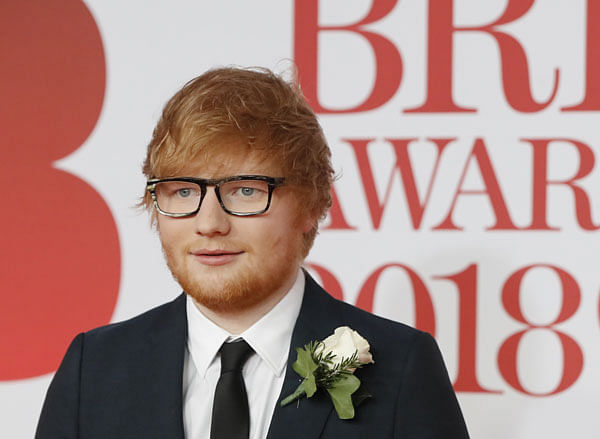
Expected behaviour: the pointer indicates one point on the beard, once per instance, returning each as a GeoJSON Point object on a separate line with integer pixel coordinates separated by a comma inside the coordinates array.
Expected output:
{"type": "Point", "coordinates": [234, 289]}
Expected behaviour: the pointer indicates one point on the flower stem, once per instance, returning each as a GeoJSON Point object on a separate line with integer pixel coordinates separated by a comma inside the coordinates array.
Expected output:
{"type": "Point", "coordinates": [298, 393]}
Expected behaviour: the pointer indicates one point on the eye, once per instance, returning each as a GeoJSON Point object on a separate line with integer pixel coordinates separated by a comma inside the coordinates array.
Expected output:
{"type": "Point", "coordinates": [184, 192]}
{"type": "Point", "coordinates": [177, 190]}
{"type": "Point", "coordinates": [247, 191]}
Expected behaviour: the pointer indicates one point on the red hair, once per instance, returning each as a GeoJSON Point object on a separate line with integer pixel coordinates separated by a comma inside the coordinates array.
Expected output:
{"type": "Point", "coordinates": [260, 109]}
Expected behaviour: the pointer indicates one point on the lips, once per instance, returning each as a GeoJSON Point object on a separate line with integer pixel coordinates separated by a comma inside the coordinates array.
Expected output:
{"type": "Point", "coordinates": [215, 257]}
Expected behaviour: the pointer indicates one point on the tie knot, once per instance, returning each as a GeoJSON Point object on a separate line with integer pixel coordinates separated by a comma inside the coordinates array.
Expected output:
{"type": "Point", "coordinates": [234, 355]}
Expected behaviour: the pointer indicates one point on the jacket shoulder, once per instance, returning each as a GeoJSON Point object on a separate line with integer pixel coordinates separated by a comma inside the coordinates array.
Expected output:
{"type": "Point", "coordinates": [369, 325]}
{"type": "Point", "coordinates": [142, 322]}
{"type": "Point", "coordinates": [136, 335]}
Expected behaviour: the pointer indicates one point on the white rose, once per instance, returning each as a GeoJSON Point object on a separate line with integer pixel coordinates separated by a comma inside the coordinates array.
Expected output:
{"type": "Point", "coordinates": [344, 342]}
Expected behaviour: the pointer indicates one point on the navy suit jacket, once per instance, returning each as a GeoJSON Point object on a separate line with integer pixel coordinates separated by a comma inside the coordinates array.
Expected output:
{"type": "Point", "coordinates": [125, 380]}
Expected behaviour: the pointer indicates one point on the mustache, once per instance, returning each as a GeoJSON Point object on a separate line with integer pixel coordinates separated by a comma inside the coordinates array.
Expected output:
{"type": "Point", "coordinates": [224, 245]}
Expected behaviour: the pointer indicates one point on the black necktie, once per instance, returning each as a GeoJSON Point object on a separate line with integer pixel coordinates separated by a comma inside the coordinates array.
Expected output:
{"type": "Point", "coordinates": [230, 415]}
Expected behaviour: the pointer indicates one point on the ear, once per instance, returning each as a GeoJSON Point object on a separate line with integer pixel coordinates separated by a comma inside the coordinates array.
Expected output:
{"type": "Point", "coordinates": [307, 225]}
{"type": "Point", "coordinates": [307, 222]}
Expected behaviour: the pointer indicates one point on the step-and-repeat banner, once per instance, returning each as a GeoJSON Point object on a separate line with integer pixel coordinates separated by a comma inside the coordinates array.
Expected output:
{"type": "Point", "coordinates": [464, 134]}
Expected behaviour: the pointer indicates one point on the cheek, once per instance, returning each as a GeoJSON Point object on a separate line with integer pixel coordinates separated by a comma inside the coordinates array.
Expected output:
{"type": "Point", "coordinates": [286, 237]}
{"type": "Point", "coordinates": [169, 234]}
{"type": "Point", "coordinates": [268, 238]}
{"type": "Point", "coordinates": [163, 231]}
{"type": "Point", "coordinates": [271, 238]}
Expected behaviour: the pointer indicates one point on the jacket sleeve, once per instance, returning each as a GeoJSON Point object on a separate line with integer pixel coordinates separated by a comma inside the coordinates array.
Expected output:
{"type": "Point", "coordinates": [59, 416]}
{"type": "Point", "coordinates": [427, 407]}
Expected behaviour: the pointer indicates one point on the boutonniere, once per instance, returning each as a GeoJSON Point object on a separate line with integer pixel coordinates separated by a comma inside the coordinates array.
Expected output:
{"type": "Point", "coordinates": [330, 365]}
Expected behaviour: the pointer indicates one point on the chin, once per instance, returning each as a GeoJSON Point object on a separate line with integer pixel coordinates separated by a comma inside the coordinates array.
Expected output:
{"type": "Point", "coordinates": [238, 290]}
{"type": "Point", "coordinates": [240, 286]}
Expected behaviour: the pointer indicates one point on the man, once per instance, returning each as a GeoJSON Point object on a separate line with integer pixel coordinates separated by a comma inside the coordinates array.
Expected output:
{"type": "Point", "coordinates": [239, 175]}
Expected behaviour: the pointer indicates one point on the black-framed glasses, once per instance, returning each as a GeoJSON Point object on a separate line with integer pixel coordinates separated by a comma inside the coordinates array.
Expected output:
{"type": "Point", "coordinates": [240, 195]}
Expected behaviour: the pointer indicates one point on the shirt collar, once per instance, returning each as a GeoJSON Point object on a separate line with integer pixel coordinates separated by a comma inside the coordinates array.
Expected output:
{"type": "Point", "coordinates": [270, 336]}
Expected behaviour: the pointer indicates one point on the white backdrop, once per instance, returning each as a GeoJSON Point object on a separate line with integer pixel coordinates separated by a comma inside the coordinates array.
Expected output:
{"type": "Point", "coordinates": [487, 208]}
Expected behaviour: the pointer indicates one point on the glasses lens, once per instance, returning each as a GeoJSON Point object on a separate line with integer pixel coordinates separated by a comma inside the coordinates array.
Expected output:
{"type": "Point", "coordinates": [177, 196]}
{"type": "Point", "coordinates": [245, 196]}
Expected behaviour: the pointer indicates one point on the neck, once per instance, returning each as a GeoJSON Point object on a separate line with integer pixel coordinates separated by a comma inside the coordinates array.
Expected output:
{"type": "Point", "coordinates": [237, 321]}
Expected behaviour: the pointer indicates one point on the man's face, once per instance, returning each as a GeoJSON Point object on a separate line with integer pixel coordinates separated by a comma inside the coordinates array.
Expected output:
{"type": "Point", "coordinates": [231, 263]}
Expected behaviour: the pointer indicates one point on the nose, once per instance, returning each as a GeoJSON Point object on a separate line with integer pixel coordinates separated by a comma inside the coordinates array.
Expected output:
{"type": "Point", "coordinates": [211, 219]}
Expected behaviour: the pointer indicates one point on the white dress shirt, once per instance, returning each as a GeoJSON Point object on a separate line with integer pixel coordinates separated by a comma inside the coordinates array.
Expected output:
{"type": "Point", "coordinates": [263, 372]}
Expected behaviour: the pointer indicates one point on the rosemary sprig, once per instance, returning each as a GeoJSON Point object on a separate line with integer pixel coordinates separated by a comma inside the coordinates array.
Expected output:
{"type": "Point", "coordinates": [328, 371]}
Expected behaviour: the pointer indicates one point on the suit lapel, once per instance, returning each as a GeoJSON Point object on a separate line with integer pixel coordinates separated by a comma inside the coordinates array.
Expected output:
{"type": "Point", "coordinates": [162, 368]}
{"type": "Point", "coordinates": [306, 418]}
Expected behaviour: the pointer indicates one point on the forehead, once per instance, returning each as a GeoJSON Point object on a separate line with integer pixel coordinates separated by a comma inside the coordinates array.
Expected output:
{"type": "Point", "coordinates": [232, 157]}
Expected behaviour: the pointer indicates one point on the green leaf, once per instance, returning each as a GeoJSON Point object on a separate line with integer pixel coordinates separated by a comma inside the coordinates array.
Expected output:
{"type": "Point", "coordinates": [360, 395]}
{"type": "Point", "coordinates": [341, 395]}
{"type": "Point", "coordinates": [305, 367]}
{"type": "Point", "coordinates": [304, 364]}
